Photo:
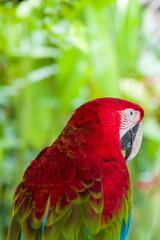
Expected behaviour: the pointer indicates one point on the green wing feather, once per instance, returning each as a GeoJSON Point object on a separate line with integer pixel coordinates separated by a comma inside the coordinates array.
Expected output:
{"type": "Point", "coordinates": [69, 221]}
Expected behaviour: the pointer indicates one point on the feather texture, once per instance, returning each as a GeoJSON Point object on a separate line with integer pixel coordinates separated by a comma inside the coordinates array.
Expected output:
{"type": "Point", "coordinates": [79, 187]}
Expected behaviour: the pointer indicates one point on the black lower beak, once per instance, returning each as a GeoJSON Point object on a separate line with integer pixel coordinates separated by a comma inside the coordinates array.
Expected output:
{"type": "Point", "coordinates": [127, 140]}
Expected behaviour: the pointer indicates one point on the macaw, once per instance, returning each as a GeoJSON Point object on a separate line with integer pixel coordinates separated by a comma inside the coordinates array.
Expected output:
{"type": "Point", "coordinates": [79, 188]}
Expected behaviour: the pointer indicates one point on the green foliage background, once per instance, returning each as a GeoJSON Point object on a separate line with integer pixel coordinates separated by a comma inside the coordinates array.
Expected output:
{"type": "Point", "coordinates": [56, 55]}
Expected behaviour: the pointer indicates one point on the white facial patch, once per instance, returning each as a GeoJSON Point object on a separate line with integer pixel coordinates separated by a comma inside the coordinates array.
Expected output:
{"type": "Point", "coordinates": [129, 119]}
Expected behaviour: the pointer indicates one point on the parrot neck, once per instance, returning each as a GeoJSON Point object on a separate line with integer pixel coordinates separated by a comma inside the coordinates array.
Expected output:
{"type": "Point", "coordinates": [111, 148]}
{"type": "Point", "coordinates": [116, 187]}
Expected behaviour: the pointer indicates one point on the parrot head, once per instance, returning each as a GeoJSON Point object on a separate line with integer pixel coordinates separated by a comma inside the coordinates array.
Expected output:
{"type": "Point", "coordinates": [109, 127]}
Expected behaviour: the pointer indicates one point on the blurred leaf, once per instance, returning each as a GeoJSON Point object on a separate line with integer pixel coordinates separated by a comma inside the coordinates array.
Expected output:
{"type": "Point", "coordinates": [151, 129]}
{"type": "Point", "coordinates": [10, 143]}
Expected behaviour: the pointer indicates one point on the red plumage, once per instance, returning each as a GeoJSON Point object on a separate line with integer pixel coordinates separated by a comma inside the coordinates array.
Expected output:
{"type": "Point", "coordinates": [85, 158]}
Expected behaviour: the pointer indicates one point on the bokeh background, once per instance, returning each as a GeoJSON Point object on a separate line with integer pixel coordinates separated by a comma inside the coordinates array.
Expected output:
{"type": "Point", "coordinates": [56, 55]}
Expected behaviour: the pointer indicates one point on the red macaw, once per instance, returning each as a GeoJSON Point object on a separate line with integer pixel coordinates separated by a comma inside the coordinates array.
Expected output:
{"type": "Point", "coordinates": [79, 187]}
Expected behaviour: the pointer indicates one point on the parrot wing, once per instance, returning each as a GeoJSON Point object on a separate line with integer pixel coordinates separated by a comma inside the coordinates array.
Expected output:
{"type": "Point", "coordinates": [52, 203]}
{"type": "Point", "coordinates": [44, 203]}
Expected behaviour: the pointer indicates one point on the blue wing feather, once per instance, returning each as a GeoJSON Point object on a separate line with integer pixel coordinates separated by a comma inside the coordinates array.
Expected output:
{"type": "Point", "coordinates": [125, 228]}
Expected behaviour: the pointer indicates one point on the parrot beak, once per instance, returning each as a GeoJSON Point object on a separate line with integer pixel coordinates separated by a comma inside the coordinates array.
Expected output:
{"type": "Point", "coordinates": [131, 141]}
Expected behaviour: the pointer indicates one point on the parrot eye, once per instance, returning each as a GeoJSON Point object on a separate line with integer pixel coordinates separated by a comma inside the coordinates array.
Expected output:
{"type": "Point", "coordinates": [129, 113]}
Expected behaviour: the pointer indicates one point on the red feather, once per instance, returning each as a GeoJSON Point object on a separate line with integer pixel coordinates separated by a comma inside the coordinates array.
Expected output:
{"type": "Point", "coordinates": [85, 160]}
